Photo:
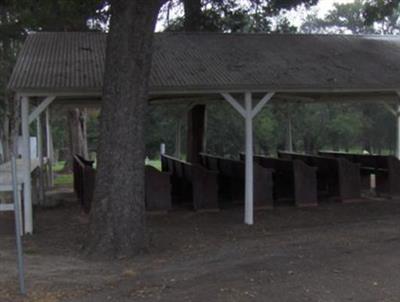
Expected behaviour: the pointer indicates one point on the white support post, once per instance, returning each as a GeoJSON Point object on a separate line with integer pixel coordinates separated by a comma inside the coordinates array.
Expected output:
{"type": "Point", "coordinates": [249, 211]}
{"type": "Point", "coordinates": [26, 156]}
{"type": "Point", "coordinates": [204, 147]}
{"type": "Point", "coordinates": [178, 138]}
{"type": "Point", "coordinates": [1, 151]}
{"type": "Point", "coordinates": [40, 156]}
{"type": "Point", "coordinates": [162, 149]}
{"type": "Point", "coordinates": [49, 149]}
{"type": "Point", "coordinates": [398, 132]}
{"type": "Point", "coordinates": [248, 113]}
{"type": "Point", "coordinates": [289, 142]}
{"type": "Point", "coordinates": [396, 112]}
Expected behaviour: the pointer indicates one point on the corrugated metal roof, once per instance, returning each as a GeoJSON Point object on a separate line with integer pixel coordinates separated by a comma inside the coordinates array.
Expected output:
{"type": "Point", "coordinates": [187, 62]}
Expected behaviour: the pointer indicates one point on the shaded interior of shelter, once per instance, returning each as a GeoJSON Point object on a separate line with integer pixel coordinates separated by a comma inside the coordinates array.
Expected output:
{"type": "Point", "coordinates": [282, 190]}
{"type": "Point", "coordinates": [230, 192]}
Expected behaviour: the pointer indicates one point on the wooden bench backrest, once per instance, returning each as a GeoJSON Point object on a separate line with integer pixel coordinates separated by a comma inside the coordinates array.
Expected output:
{"type": "Point", "coordinates": [226, 167]}
{"type": "Point", "coordinates": [365, 160]}
{"type": "Point", "coordinates": [324, 164]}
{"type": "Point", "coordinates": [277, 164]}
{"type": "Point", "coordinates": [83, 161]}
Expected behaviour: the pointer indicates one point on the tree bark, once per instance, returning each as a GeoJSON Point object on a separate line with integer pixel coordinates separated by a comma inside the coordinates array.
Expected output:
{"type": "Point", "coordinates": [77, 135]}
{"type": "Point", "coordinates": [196, 118]}
{"type": "Point", "coordinates": [117, 222]}
{"type": "Point", "coordinates": [195, 133]}
{"type": "Point", "coordinates": [193, 18]}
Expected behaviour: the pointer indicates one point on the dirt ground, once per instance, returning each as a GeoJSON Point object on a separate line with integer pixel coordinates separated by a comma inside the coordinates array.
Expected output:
{"type": "Point", "coordinates": [334, 252]}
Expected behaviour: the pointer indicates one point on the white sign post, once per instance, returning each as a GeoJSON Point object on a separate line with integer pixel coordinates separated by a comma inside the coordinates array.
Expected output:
{"type": "Point", "coordinates": [18, 222]}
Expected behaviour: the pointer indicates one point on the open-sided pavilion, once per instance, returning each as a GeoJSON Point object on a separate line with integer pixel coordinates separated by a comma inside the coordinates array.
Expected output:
{"type": "Point", "coordinates": [246, 70]}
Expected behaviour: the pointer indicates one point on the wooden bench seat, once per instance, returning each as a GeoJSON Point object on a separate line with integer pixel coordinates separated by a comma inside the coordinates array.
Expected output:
{"type": "Point", "coordinates": [337, 178]}
{"type": "Point", "coordinates": [157, 185]}
{"type": "Point", "coordinates": [158, 189]}
{"type": "Point", "coordinates": [386, 168]}
{"type": "Point", "coordinates": [232, 177]}
{"type": "Point", "coordinates": [192, 182]}
{"type": "Point", "coordinates": [293, 180]}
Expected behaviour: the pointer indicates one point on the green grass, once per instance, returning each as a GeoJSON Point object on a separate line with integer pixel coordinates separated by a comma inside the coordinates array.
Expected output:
{"type": "Point", "coordinates": [58, 166]}
{"type": "Point", "coordinates": [155, 163]}
{"type": "Point", "coordinates": [63, 180]}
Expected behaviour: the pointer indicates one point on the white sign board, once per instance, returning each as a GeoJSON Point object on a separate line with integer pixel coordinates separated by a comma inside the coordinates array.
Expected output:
{"type": "Point", "coordinates": [34, 153]}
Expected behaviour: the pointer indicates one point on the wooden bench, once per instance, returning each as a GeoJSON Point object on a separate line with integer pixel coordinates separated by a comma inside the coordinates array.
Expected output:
{"type": "Point", "coordinates": [158, 189]}
{"type": "Point", "coordinates": [192, 182]}
{"type": "Point", "coordinates": [386, 168]}
{"type": "Point", "coordinates": [336, 177]}
{"type": "Point", "coordinates": [157, 186]}
{"type": "Point", "coordinates": [232, 178]}
{"type": "Point", "coordinates": [293, 180]}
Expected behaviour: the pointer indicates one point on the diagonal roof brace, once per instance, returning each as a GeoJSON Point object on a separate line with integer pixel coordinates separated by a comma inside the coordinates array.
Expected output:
{"type": "Point", "coordinates": [39, 109]}
{"type": "Point", "coordinates": [243, 112]}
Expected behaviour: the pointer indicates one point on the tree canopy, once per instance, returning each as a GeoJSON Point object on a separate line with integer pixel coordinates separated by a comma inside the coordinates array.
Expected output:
{"type": "Point", "coordinates": [232, 15]}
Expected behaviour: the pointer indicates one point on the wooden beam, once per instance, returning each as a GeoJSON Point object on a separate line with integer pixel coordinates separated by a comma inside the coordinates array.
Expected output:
{"type": "Point", "coordinates": [39, 109]}
{"type": "Point", "coordinates": [390, 109]}
{"type": "Point", "coordinates": [261, 103]}
{"type": "Point", "coordinates": [235, 104]}
{"type": "Point", "coordinates": [49, 150]}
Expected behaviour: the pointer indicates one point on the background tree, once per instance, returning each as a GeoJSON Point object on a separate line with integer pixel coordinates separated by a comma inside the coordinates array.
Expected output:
{"type": "Point", "coordinates": [383, 14]}
{"type": "Point", "coordinates": [378, 10]}
{"type": "Point", "coordinates": [355, 18]}
{"type": "Point", "coordinates": [20, 17]}
{"type": "Point", "coordinates": [343, 18]}
{"type": "Point", "coordinates": [11, 35]}
{"type": "Point", "coordinates": [375, 131]}
{"type": "Point", "coordinates": [230, 15]}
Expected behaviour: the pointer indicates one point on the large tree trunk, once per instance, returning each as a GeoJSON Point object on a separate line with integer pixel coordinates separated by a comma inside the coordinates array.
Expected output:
{"type": "Point", "coordinates": [193, 18]}
{"type": "Point", "coordinates": [77, 134]}
{"type": "Point", "coordinates": [196, 118]}
{"type": "Point", "coordinates": [195, 133]}
{"type": "Point", "coordinates": [117, 222]}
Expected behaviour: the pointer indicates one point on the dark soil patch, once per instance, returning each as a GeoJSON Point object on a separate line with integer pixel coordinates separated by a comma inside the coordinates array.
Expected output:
{"type": "Point", "coordinates": [334, 252]}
